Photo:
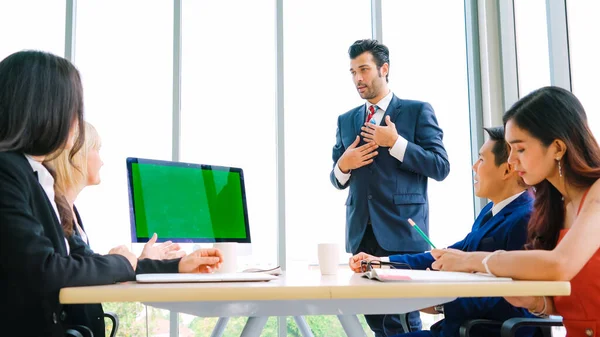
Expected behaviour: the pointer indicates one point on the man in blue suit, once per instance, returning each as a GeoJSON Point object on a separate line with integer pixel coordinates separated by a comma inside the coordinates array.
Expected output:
{"type": "Point", "coordinates": [385, 151]}
{"type": "Point", "coordinates": [501, 225]}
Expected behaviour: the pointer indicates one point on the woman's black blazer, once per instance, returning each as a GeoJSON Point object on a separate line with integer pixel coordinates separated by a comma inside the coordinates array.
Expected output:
{"type": "Point", "coordinates": [34, 264]}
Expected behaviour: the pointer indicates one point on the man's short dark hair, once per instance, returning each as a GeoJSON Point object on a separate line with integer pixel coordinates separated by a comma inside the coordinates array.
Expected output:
{"type": "Point", "coordinates": [501, 148]}
{"type": "Point", "coordinates": [381, 53]}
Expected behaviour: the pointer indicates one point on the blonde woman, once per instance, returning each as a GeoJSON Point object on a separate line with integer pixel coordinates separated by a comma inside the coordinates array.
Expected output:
{"type": "Point", "coordinates": [83, 170]}
{"type": "Point", "coordinates": [72, 175]}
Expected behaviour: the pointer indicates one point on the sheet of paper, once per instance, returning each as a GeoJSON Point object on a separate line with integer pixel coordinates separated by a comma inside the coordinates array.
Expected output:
{"type": "Point", "coordinates": [429, 275]}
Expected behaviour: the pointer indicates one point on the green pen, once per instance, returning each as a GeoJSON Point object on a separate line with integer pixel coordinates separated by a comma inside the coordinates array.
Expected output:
{"type": "Point", "coordinates": [414, 225]}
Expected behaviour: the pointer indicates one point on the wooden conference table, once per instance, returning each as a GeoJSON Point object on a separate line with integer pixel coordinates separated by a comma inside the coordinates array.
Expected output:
{"type": "Point", "coordinates": [304, 293]}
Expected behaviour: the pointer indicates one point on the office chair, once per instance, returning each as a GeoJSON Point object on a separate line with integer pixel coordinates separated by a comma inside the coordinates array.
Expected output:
{"type": "Point", "coordinates": [84, 331]}
{"type": "Point", "coordinates": [465, 328]}
{"type": "Point", "coordinates": [78, 331]}
{"type": "Point", "coordinates": [509, 327]}
{"type": "Point", "coordinates": [115, 323]}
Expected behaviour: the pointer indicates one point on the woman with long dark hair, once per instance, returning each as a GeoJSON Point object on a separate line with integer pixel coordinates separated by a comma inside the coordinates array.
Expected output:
{"type": "Point", "coordinates": [554, 150]}
{"type": "Point", "coordinates": [41, 111]}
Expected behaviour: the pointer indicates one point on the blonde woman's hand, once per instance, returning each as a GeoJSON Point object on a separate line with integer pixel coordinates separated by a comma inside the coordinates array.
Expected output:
{"type": "Point", "coordinates": [124, 251]}
{"type": "Point", "coordinates": [201, 261]}
{"type": "Point", "coordinates": [161, 251]}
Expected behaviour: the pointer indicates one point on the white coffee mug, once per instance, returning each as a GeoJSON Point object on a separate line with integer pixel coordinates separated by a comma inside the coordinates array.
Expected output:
{"type": "Point", "coordinates": [229, 252]}
{"type": "Point", "coordinates": [329, 258]}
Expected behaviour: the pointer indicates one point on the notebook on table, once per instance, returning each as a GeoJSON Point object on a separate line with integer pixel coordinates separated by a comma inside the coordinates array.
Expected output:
{"type": "Point", "coordinates": [409, 275]}
{"type": "Point", "coordinates": [215, 277]}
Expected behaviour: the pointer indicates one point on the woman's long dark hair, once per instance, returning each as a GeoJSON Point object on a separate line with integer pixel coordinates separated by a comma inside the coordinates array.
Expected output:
{"type": "Point", "coordinates": [548, 114]}
{"type": "Point", "coordinates": [40, 99]}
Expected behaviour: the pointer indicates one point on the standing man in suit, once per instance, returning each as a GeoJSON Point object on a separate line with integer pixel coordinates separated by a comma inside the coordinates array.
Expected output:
{"type": "Point", "coordinates": [385, 151]}
{"type": "Point", "coordinates": [501, 225]}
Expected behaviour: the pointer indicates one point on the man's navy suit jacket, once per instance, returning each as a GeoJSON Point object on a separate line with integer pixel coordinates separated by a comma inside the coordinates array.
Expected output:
{"type": "Point", "coordinates": [388, 192]}
{"type": "Point", "coordinates": [506, 230]}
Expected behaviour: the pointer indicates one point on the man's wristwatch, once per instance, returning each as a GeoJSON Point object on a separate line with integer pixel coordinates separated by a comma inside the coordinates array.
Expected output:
{"type": "Point", "coordinates": [439, 308]}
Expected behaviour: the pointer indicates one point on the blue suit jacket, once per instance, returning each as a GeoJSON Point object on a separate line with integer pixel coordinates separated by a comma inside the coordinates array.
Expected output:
{"type": "Point", "coordinates": [507, 230]}
{"type": "Point", "coordinates": [388, 191]}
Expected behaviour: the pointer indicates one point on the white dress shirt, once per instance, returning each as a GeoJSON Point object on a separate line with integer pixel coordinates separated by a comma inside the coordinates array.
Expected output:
{"type": "Point", "coordinates": [499, 206]}
{"type": "Point", "coordinates": [81, 232]}
{"type": "Point", "coordinates": [397, 150]}
{"type": "Point", "coordinates": [495, 210]}
{"type": "Point", "coordinates": [47, 182]}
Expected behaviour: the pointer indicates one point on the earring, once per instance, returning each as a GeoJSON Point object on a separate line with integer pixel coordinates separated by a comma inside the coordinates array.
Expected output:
{"type": "Point", "coordinates": [559, 167]}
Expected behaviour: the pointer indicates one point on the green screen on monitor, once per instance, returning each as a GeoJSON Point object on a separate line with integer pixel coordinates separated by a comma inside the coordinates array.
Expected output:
{"type": "Point", "coordinates": [186, 202]}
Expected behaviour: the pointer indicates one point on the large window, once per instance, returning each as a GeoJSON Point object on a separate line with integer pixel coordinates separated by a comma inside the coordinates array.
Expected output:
{"type": "Point", "coordinates": [32, 24]}
{"type": "Point", "coordinates": [428, 63]}
{"type": "Point", "coordinates": [318, 88]}
{"type": "Point", "coordinates": [124, 51]}
{"type": "Point", "coordinates": [531, 32]}
{"type": "Point", "coordinates": [126, 71]}
{"type": "Point", "coordinates": [584, 55]}
{"type": "Point", "coordinates": [228, 103]}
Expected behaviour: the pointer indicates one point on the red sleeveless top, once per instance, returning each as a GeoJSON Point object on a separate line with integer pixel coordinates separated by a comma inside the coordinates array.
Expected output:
{"type": "Point", "coordinates": [581, 310]}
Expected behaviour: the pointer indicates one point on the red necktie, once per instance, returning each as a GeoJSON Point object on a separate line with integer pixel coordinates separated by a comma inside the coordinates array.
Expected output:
{"type": "Point", "coordinates": [371, 112]}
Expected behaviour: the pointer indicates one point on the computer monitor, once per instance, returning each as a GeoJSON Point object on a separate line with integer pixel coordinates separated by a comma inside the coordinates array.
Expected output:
{"type": "Point", "coordinates": [185, 202]}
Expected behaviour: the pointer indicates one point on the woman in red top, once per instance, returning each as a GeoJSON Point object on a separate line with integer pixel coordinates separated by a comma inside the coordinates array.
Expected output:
{"type": "Point", "coordinates": [554, 150]}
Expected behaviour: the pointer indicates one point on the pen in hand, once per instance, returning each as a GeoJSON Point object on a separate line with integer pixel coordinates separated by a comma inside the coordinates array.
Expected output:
{"type": "Point", "coordinates": [414, 225]}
